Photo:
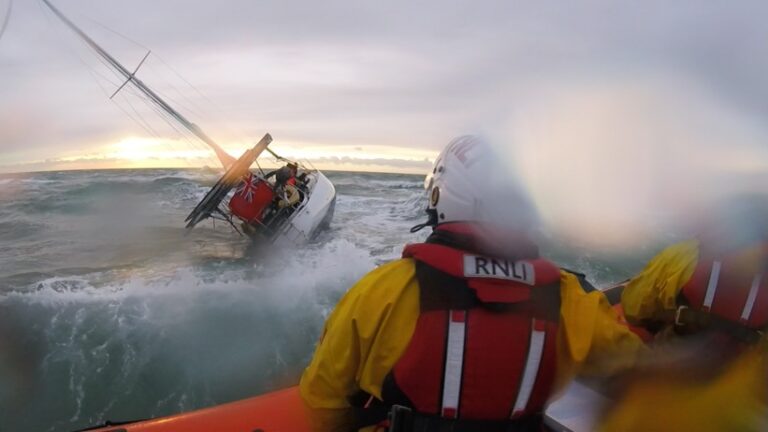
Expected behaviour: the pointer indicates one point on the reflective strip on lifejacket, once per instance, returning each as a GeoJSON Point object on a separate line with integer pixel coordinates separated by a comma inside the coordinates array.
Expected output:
{"type": "Point", "coordinates": [535, 351]}
{"type": "Point", "coordinates": [714, 276]}
{"type": "Point", "coordinates": [454, 360]}
{"type": "Point", "coordinates": [750, 304]}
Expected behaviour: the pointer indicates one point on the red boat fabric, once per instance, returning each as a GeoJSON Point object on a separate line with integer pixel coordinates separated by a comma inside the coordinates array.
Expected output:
{"type": "Point", "coordinates": [251, 198]}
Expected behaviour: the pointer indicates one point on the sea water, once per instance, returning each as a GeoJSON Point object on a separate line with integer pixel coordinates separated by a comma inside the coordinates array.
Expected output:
{"type": "Point", "coordinates": [108, 311]}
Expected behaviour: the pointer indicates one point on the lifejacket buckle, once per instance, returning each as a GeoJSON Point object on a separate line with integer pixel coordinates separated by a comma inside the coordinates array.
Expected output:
{"type": "Point", "coordinates": [678, 314]}
{"type": "Point", "coordinates": [400, 419]}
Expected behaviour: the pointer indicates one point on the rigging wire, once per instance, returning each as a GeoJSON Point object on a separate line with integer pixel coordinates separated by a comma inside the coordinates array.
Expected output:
{"type": "Point", "coordinates": [168, 66]}
{"type": "Point", "coordinates": [177, 104]}
{"type": "Point", "coordinates": [258, 165]}
{"type": "Point", "coordinates": [193, 107]}
{"type": "Point", "coordinates": [178, 75]}
{"type": "Point", "coordinates": [7, 18]}
{"type": "Point", "coordinates": [95, 74]}
{"type": "Point", "coordinates": [192, 140]}
{"type": "Point", "coordinates": [115, 32]}
{"type": "Point", "coordinates": [137, 117]}
{"type": "Point", "coordinates": [152, 131]}
{"type": "Point", "coordinates": [187, 136]}
{"type": "Point", "coordinates": [99, 77]}
{"type": "Point", "coordinates": [213, 107]}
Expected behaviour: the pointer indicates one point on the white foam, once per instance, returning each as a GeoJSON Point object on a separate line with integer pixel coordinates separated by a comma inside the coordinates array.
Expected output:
{"type": "Point", "coordinates": [201, 317]}
{"type": "Point", "coordinates": [299, 270]}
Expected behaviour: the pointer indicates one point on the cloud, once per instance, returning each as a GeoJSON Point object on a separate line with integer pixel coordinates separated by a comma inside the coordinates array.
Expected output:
{"type": "Point", "coordinates": [418, 165]}
{"type": "Point", "coordinates": [405, 74]}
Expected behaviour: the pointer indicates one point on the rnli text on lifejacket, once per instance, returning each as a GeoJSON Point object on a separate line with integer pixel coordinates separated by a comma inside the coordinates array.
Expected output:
{"type": "Point", "coordinates": [486, 267]}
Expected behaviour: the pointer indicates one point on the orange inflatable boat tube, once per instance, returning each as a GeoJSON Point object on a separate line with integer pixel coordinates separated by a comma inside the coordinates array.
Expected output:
{"type": "Point", "coordinates": [280, 411]}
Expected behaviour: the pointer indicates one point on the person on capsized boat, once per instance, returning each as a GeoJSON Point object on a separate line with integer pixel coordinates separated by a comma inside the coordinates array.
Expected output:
{"type": "Point", "coordinates": [286, 194]}
{"type": "Point", "coordinates": [707, 301]}
{"type": "Point", "coordinates": [254, 197]}
{"type": "Point", "coordinates": [471, 330]}
{"type": "Point", "coordinates": [284, 175]}
{"type": "Point", "coordinates": [289, 197]}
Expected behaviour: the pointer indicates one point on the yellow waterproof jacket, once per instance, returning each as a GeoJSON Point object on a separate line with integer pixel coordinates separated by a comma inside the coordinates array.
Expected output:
{"type": "Point", "coordinates": [650, 295]}
{"type": "Point", "coordinates": [290, 196]}
{"type": "Point", "coordinates": [732, 399]}
{"type": "Point", "coordinates": [677, 400]}
{"type": "Point", "coordinates": [373, 323]}
{"type": "Point", "coordinates": [655, 289]}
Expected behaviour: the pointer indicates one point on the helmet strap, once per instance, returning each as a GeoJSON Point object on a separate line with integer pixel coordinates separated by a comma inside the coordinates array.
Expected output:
{"type": "Point", "coordinates": [431, 221]}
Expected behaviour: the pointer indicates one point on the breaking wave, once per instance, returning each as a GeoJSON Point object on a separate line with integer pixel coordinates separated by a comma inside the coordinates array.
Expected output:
{"type": "Point", "coordinates": [110, 313]}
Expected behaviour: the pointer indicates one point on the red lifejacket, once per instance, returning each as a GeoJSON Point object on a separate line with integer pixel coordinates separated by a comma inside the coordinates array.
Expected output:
{"type": "Point", "coordinates": [291, 181]}
{"type": "Point", "coordinates": [484, 344]}
{"type": "Point", "coordinates": [727, 287]}
{"type": "Point", "coordinates": [251, 198]}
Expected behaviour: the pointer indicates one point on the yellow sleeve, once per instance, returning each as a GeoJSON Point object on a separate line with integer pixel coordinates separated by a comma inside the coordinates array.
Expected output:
{"type": "Point", "coordinates": [656, 288]}
{"type": "Point", "coordinates": [592, 340]}
{"type": "Point", "coordinates": [363, 337]}
{"type": "Point", "coordinates": [671, 399]}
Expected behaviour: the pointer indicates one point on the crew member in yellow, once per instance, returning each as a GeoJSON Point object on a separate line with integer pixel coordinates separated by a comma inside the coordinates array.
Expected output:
{"type": "Point", "coordinates": [699, 395]}
{"type": "Point", "coordinates": [290, 196]}
{"type": "Point", "coordinates": [707, 299]}
{"type": "Point", "coordinates": [717, 274]}
{"type": "Point", "coordinates": [471, 330]}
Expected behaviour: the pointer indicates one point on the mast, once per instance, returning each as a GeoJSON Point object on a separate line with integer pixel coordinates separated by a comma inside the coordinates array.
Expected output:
{"type": "Point", "coordinates": [7, 18]}
{"type": "Point", "coordinates": [224, 157]}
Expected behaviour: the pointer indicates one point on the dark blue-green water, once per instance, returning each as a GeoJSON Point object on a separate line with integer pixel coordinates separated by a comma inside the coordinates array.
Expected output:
{"type": "Point", "coordinates": [108, 311]}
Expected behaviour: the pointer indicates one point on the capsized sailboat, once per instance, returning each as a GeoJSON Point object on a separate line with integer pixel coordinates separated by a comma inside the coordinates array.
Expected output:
{"type": "Point", "coordinates": [287, 211]}
{"type": "Point", "coordinates": [283, 211]}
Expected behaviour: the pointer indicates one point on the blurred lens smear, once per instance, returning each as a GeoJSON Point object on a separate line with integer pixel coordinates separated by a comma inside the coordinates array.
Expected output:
{"type": "Point", "coordinates": [617, 161]}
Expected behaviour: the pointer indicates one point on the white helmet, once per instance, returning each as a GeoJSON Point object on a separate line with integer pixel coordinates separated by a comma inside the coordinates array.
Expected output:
{"type": "Point", "coordinates": [469, 182]}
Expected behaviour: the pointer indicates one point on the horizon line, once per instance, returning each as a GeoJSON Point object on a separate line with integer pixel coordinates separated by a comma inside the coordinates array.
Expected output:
{"type": "Point", "coordinates": [10, 173]}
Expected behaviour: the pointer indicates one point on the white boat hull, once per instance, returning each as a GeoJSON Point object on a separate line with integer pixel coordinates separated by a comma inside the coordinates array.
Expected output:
{"type": "Point", "coordinates": [313, 214]}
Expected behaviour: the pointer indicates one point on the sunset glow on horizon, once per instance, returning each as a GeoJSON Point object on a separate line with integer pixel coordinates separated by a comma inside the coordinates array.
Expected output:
{"type": "Point", "coordinates": [599, 108]}
{"type": "Point", "coordinates": [134, 152]}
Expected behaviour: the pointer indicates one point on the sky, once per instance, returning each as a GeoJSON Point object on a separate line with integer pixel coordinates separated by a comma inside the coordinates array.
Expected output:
{"type": "Point", "coordinates": [634, 102]}
{"type": "Point", "coordinates": [375, 83]}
